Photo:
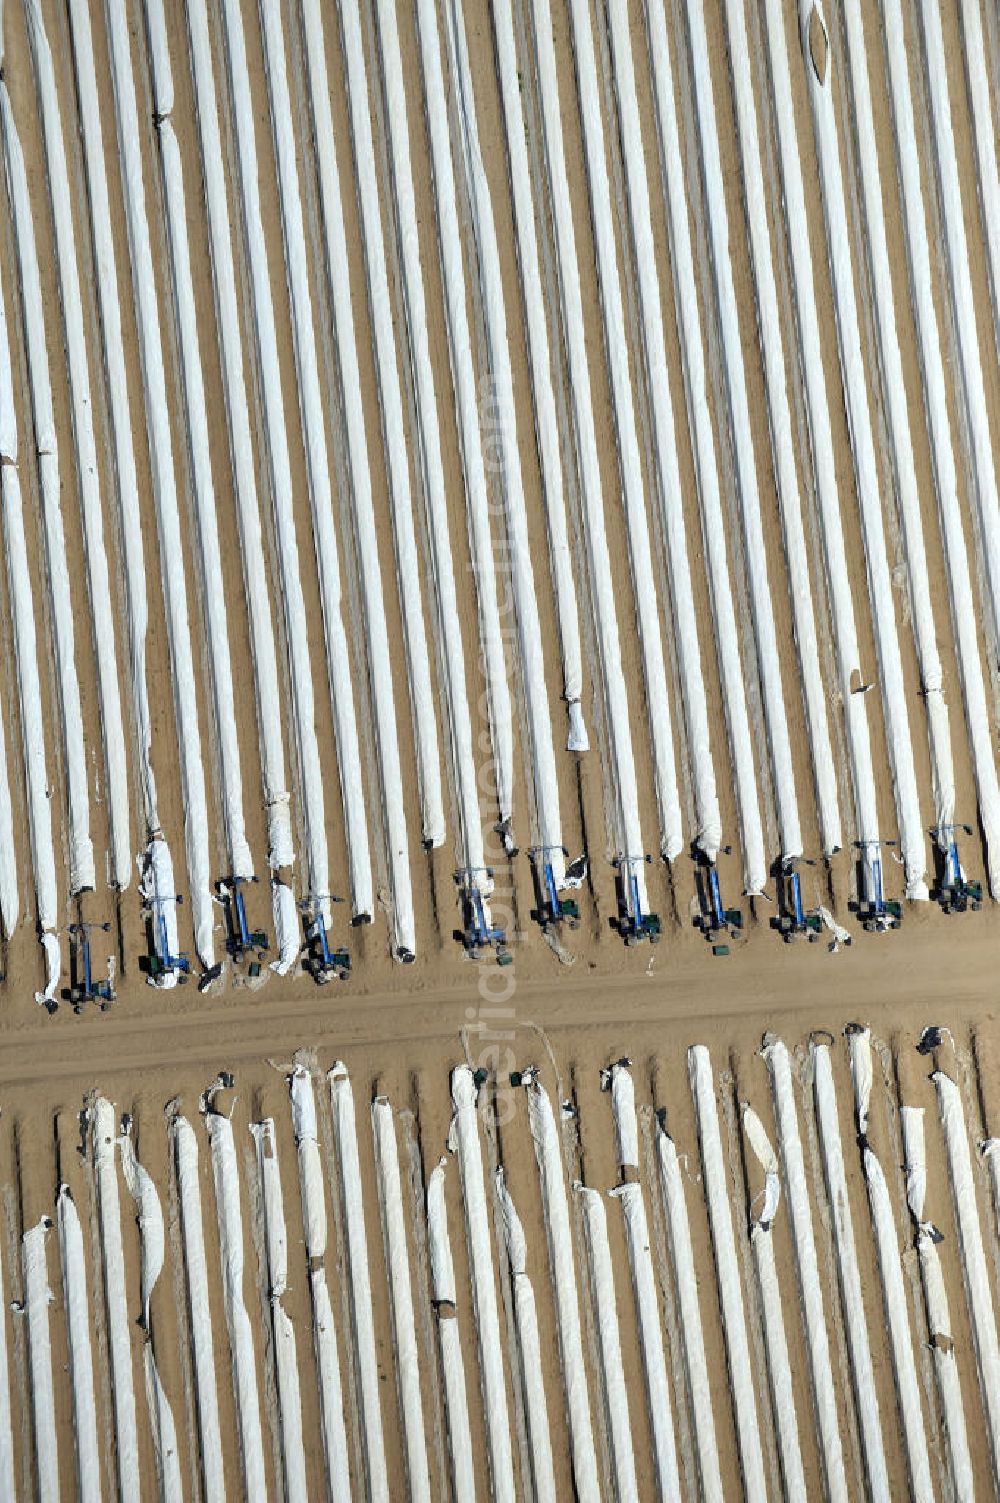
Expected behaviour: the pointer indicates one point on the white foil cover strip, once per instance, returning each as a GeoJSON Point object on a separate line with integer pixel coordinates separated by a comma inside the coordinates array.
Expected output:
{"type": "Point", "coordinates": [984, 135]}
{"type": "Point", "coordinates": [283, 1333]}
{"type": "Point", "coordinates": [405, 1348]}
{"type": "Point", "coordinates": [325, 541]}
{"type": "Point", "coordinates": [838, 581]}
{"type": "Point", "coordinates": [215, 605]}
{"type": "Point", "coordinates": [978, 1291]}
{"type": "Point", "coordinates": [100, 595]}
{"type": "Point", "coordinates": [443, 1293]}
{"type": "Point", "coordinates": [900, 437]}
{"type": "Point", "coordinates": [602, 1288]}
{"type": "Point", "coordinates": [852, 1301]}
{"type": "Point", "coordinates": [935, 382]}
{"type": "Point", "coordinates": [779, 1367]}
{"type": "Point", "coordinates": [862, 433]}
{"type": "Point", "coordinates": [129, 537]}
{"type": "Point", "coordinates": [37, 1298]}
{"type": "Point", "coordinates": [565, 1291]}
{"type": "Point", "coordinates": [540, 356]}
{"type": "Point", "coordinates": [783, 433]}
{"type": "Point", "coordinates": [81, 1367]}
{"type": "Point", "coordinates": [616, 740]}
{"type": "Point", "coordinates": [8, 1487]}
{"type": "Point", "coordinates": [288, 936]}
{"type": "Point", "coordinates": [738, 406]}
{"type": "Point", "coordinates": [158, 890]}
{"type": "Point", "coordinates": [408, 571]}
{"type": "Point", "coordinates": [699, 406]}
{"type": "Point", "coordinates": [154, 372]}
{"type": "Point", "coordinates": [464, 1140]}
{"type": "Point", "coordinates": [727, 1273]}
{"type": "Point", "coordinates": [669, 490]}
{"type": "Point", "coordinates": [342, 1101]}
{"type": "Point", "coordinates": [57, 587]}
{"type": "Point", "coordinates": [306, 754]}
{"type": "Point", "coordinates": [185, 1145]}
{"type": "Point", "coordinates": [378, 647]}
{"type": "Point", "coordinates": [225, 1173]}
{"type": "Point", "coordinates": [629, 456]}
{"type": "Point", "coordinates": [448, 634]}
{"type": "Point", "coordinates": [103, 1148]}
{"type": "Point", "coordinates": [810, 1288]}
{"type": "Point", "coordinates": [695, 1362]}
{"type": "Point", "coordinates": [313, 1196]}
{"type": "Point", "coordinates": [526, 1320]}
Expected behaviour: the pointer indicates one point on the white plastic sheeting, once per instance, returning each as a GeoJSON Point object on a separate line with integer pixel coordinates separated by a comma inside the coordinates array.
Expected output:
{"type": "Point", "coordinates": [838, 581]}
{"type": "Point", "coordinates": [225, 1173]}
{"type": "Point", "coordinates": [185, 1144]}
{"type": "Point", "coordinates": [618, 1080]}
{"type": "Point", "coordinates": [978, 1293]}
{"type": "Point", "coordinates": [626, 829]}
{"type": "Point", "coordinates": [779, 1367]}
{"type": "Point", "coordinates": [282, 1331]}
{"type": "Point", "coordinates": [602, 1287]}
{"type": "Point", "coordinates": [900, 438]}
{"type": "Point", "coordinates": [405, 1349]}
{"type": "Point", "coordinates": [464, 1141]}
{"type": "Point", "coordinates": [539, 354]}
{"type": "Point", "coordinates": [377, 645]}
{"type": "Point", "coordinates": [152, 1245]}
{"type": "Point", "coordinates": [807, 1269]}
{"type": "Point", "coordinates": [860, 422]}
{"type": "Point", "coordinates": [444, 1295]}
{"type": "Point", "coordinates": [740, 427]}
{"type": "Point", "coordinates": [215, 605]}
{"type": "Point", "coordinates": [562, 1273]}
{"type": "Point", "coordinates": [103, 1148]}
{"type": "Point", "coordinates": [362, 1319]}
{"type": "Point", "coordinates": [37, 1298]}
{"type": "Point", "coordinates": [963, 616]}
{"type": "Point", "coordinates": [9, 900]}
{"type": "Point", "coordinates": [668, 489]}
{"type": "Point", "coordinates": [984, 136]}
{"type": "Point", "coordinates": [629, 454]}
{"type": "Point", "coordinates": [8, 1488]}
{"type": "Point", "coordinates": [338, 1471]}
{"type": "Point", "coordinates": [893, 1287]}
{"type": "Point", "coordinates": [422, 697]}
{"type": "Point", "coordinates": [958, 281]}
{"type": "Point", "coordinates": [80, 846]}
{"type": "Point", "coordinates": [428, 460]}
{"type": "Point", "coordinates": [529, 1341]}
{"type": "Point", "coordinates": [695, 1361]}
{"type": "Point", "coordinates": [498, 415]}
{"type": "Point", "coordinates": [939, 1324]}
{"type": "Point", "coordinates": [310, 408]}
{"type": "Point", "coordinates": [159, 892]}
{"type": "Point", "coordinates": [784, 438]}
{"type": "Point", "coordinates": [306, 754]}
{"type": "Point", "coordinates": [852, 1301]}
{"type": "Point", "coordinates": [699, 407]}
{"type": "Point", "coordinates": [81, 1366]}
{"type": "Point", "coordinates": [101, 603]}
{"type": "Point", "coordinates": [154, 374]}
{"type": "Point", "coordinates": [130, 529]}
{"type": "Point", "coordinates": [727, 1273]}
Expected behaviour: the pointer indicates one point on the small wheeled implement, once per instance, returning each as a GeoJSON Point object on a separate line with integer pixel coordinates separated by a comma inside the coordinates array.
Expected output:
{"type": "Point", "coordinates": [632, 923]}
{"type": "Point", "coordinates": [955, 892]}
{"type": "Point", "coordinates": [792, 919]}
{"type": "Point", "coordinates": [478, 932]}
{"type": "Point", "coordinates": [321, 961]}
{"type": "Point", "coordinates": [83, 988]}
{"type": "Point", "coordinates": [161, 961]}
{"type": "Point", "coordinates": [240, 938]}
{"type": "Point", "coordinates": [549, 907]}
{"type": "Point", "coordinates": [876, 912]}
{"type": "Point", "coordinates": [714, 919]}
